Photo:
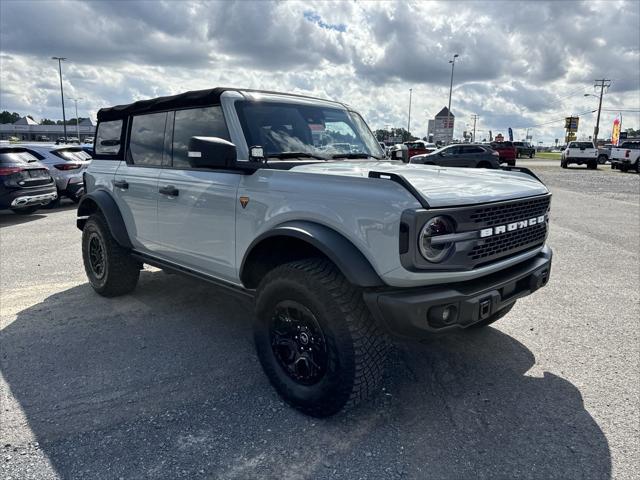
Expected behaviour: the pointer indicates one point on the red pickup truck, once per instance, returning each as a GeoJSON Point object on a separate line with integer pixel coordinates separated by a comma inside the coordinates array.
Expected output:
{"type": "Point", "coordinates": [419, 147]}
{"type": "Point", "coordinates": [507, 152]}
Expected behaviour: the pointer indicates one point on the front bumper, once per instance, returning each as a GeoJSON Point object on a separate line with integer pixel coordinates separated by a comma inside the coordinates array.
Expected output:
{"type": "Point", "coordinates": [416, 311]}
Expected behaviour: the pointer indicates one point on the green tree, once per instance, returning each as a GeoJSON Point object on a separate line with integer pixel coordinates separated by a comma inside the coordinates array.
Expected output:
{"type": "Point", "coordinates": [6, 117]}
{"type": "Point", "coordinates": [384, 135]}
{"type": "Point", "coordinates": [46, 121]}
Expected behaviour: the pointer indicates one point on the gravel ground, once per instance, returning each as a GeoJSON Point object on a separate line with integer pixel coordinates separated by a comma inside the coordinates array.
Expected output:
{"type": "Point", "coordinates": [165, 383]}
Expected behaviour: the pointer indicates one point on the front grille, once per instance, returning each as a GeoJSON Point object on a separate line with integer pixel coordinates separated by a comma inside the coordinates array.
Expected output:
{"type": "Point", "coordinates": [508, 243]}
{"type": "Point", "coordinates": [502, 214]}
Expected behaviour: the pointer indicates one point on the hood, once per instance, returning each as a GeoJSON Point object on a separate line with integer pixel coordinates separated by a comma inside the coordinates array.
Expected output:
{"type": "Point", "coordinates": [442, 186]}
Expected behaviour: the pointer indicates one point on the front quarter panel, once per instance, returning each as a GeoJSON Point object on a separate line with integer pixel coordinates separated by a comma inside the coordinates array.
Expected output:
{"type": "Point", "coordinates": [365, 211]}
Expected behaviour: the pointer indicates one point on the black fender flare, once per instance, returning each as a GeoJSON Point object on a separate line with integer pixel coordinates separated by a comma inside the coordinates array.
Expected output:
{"type": "Point", "coordinates": [344, 254]}
{"type": "Point", "coordinates": [103, 201]}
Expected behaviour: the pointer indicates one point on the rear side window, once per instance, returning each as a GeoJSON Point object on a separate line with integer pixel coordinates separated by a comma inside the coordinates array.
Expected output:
{"type": "Point", "coordinates": [582, 145]}
{"type": "Point", "coordinates": [16, 156]}
{"type": "Point", "coordinates": [146, 142]}
{"type": "Point", "coordinates": [72, 154]}
{"type": "Point", "coordinates": [195, 122]}
{"type": "Point", "coordinates": [631, 145]}
{"type": "Point", "coordinates": [472, 150]}
{"type": "Point", "coordinates": [108, 138]}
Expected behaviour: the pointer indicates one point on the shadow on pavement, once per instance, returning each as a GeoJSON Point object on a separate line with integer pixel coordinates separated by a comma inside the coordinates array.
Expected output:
{"type": "Point", "coordinates": [8, 218]}
{"type": "Point", "coordinates": [165, 383]}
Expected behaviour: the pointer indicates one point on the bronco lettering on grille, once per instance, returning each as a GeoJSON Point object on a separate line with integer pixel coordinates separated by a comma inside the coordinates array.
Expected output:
{"type": "Point", "coordinates": [510, 227]}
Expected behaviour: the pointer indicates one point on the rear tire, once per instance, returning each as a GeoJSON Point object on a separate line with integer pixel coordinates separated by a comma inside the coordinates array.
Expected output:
{"type": "Point", "coordinates": [511, 163]}
{"type": "Point", "coordinates": [493, 318]}
{"type": "Point", "coordinates": [563, 164]}
{"type": "Point", "coordinates": [339, 361]}
{"type": "Point", "coordinates": [592, 164]}
{"type": "Point", "coordinates": [110, 269]}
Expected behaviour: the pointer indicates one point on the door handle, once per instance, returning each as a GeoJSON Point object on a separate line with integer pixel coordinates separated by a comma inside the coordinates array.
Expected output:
{"type": "Point", "coordinates": [169, 190]}
{"type": "Point", "coordinates": [123, 184]}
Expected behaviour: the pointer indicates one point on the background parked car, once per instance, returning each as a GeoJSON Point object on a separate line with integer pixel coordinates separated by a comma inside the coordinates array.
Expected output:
{"type": "Point", "coordinates": [419, 147]}
{"type": "Point", "coordinates": [524, 149]}
{"type": "Point", "coordinates": [66, 164]}
{"type": "Point", "coordinates": [626, 157]}
{"type": "Point", "coordinates": [580, 153]}
{"type": "Point", "coordinates": [604, 153]}
{"type": "Point", "coordinates": [25, 183]}
{"type": "Point", "coordinates": [461, 155]}
{"type": "Point", "coordinates": [507, 152]}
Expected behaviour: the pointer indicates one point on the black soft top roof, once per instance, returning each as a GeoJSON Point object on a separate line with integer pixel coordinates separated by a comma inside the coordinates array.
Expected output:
{"type": "Point", "coordinates": [195, 98]}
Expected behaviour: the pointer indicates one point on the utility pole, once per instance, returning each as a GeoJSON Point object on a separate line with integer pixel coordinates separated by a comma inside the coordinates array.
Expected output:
{"type": "Point", "coordinates": [475, 117]}
{"type": "Point", "coordinates": [602, 83]}
{"type": "Point", "coordinates": [409, 121]}
{"type": "Point", "coordinates": [453, 64]}
{"type": "Point", "coordinates": [64, 118]}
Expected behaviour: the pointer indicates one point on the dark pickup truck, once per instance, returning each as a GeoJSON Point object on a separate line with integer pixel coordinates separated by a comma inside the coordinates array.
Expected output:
{"type": "Point", "coordinates": [524, 149]}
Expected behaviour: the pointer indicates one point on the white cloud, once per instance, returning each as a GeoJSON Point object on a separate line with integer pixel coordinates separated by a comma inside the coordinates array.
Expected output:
{"type": "Point", "coordinates": [520, 64]}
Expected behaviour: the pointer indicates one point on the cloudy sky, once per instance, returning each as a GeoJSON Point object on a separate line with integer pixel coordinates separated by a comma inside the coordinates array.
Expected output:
{"type": "Point", "coordinates": [520, 65]}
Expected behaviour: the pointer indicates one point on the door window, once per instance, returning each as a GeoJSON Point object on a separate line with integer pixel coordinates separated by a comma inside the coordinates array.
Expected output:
{"type": "Point", "coordinates": [195, 122]}
{"type": "Point", "coordinates": [147, 139]}
{"type": "Point", "coordinates": [108, 138]}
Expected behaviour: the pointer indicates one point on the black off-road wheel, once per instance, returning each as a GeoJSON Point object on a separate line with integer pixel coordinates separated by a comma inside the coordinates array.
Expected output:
{"type": "Point", "coordinates": [493, 318]}
{"type": "Point", "coordinates": [563, 164]}
{"type": "Point", "coordinates": [109, 267]}
{"type": "Point", "coordinates": [316, 340]}
{"type": "Point", "coordinates": [592, 164]}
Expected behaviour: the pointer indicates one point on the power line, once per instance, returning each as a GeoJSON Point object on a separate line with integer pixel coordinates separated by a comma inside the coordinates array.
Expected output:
{"type": "Point", "coordinates": [559, 119]}
{"type": "Point", "coordinates": [628, 110]}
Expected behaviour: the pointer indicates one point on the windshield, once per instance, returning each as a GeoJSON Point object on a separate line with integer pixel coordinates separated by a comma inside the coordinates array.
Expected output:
{"type": "Point", "coordinates": [581, 145]}
{"type": "Point", "coordinates": [287, 129]}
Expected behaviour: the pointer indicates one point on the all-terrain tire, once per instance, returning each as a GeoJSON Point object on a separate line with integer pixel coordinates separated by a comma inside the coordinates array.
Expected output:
{"type": "Point", "coordinates": [119, 273]}
{"type": "Point", "coordinates": [493, 318]}
{"type": "Point", "coordinates": [355, 346]}
{"type": "Point", "coordinates": [592, 164]}
{"type": "Point", "coordinates": [563, 164]}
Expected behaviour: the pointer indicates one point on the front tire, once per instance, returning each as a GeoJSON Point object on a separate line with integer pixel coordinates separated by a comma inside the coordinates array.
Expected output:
{"type": "Point", "coordinates": [316, 340]}
{"type": "Point", "coordinates": [110, 269]}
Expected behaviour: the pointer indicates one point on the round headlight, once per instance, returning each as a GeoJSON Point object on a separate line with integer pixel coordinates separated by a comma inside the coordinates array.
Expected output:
{"type": "Point", "coordinates": [435, 227]}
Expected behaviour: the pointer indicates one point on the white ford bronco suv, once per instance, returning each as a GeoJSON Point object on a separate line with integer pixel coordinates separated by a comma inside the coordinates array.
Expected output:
{"type": "Point", "coordinates": [339, 247]}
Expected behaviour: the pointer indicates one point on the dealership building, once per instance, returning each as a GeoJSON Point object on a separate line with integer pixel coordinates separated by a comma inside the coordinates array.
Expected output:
{"type": "Point", "coordinates": [26, 129]}
{"type": "Point", "coordinates": [440, 129]}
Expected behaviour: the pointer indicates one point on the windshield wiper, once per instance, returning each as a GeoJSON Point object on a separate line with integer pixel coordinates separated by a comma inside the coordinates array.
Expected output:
{"type": "Point", "coordinates": [285, 155]}
{"type": "Point", "coordinates": [353, 155]}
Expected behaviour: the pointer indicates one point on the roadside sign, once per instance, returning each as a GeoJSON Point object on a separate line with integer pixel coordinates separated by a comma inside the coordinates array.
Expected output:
{"type": "Point", "coordinates": [571, 123]}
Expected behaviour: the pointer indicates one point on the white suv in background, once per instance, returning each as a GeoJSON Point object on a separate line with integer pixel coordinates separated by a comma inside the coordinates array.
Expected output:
{"type": "Point", "coordinates": [579, 153]}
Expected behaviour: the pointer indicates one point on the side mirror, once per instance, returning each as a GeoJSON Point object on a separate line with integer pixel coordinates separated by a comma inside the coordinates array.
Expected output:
{"type": "Point", "coordinates": [211, 152]}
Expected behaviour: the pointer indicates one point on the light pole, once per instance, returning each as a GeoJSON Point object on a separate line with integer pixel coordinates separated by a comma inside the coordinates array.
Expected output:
{"type": "Point", "coordinates": [64, 118]}
{"type": "Point", "coordinates": [75, 100]}
{"type": "Point", "coordinates": [409, 120]}
{"type": "Point", "coordinates": [453, 64]}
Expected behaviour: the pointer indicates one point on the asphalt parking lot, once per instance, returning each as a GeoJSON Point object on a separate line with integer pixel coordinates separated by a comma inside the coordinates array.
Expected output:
{"type": "Point", "coordinates": [165, 383]}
